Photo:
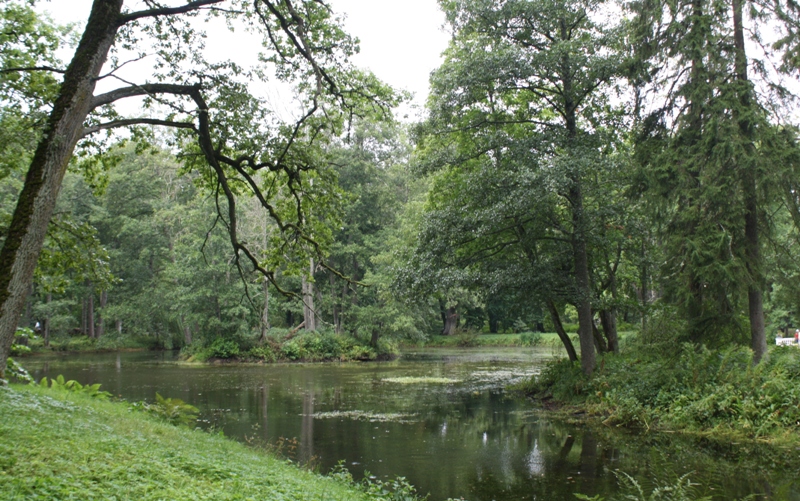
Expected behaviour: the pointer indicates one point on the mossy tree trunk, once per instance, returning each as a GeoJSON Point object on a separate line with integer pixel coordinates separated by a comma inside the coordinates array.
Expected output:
{"type": "Point", "coordinates": [43, 181]}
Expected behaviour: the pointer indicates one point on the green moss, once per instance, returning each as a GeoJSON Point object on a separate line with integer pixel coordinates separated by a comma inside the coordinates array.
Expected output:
{"type": "Point", "coordinates": [59, 445]}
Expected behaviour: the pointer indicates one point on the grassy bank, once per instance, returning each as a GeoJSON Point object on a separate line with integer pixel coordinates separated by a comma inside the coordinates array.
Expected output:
{"type": "Point", "coordinates": [63, 445]}
{"type": "Point", "coordinates": [684, 388]}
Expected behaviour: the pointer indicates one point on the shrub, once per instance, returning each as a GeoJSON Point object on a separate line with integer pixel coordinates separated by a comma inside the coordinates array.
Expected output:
{"type": "Point", "coordinates": [265, 353]}
{"type": "Point", "coordinates": [530, 339]}
{"type": "Point", "coordinates": [223, 348]}
{"type": "Point", "coordinates": [466, 338]}
{"type": "Point", "coordinates": [693, 389]}
{"type": "Point", "coordinates": [58, 384]}
{"type": "Point", "coordinates": [173, 410]}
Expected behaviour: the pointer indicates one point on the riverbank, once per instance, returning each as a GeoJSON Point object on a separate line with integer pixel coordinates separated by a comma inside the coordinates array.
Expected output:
{"type": "Point", "coordinates": [63, 445]}
{"type": "Point", "coordinates": [685, 389]}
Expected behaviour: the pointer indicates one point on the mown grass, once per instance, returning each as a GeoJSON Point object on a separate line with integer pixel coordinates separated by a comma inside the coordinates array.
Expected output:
{"type": "Point", "coordinates": [63, 446]}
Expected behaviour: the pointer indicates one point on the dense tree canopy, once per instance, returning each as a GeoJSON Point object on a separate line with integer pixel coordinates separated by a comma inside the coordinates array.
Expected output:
{"type": "Point", "coordinates": [589, 163]}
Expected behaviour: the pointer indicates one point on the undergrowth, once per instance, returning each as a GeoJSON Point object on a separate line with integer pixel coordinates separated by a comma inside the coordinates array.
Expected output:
{"type": "Point", "coordinates": [306, 347]}
{"type": "Point", "coordinates": [690, 389]}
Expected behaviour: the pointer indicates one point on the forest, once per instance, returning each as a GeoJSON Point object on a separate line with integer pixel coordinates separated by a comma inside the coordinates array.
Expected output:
{"type": "Point", "coordinates": [570, 169]}
{"type": "Point", "coordinates": [622, 178]}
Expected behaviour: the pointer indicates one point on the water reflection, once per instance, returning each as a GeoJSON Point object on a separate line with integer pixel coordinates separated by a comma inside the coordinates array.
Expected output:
{"type": "Point", "coordinates": [463, 439]}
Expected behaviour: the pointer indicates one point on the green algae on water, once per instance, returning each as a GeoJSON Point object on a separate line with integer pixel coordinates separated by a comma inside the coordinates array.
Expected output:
{"type": "Point", "coordinates": [420, 380]}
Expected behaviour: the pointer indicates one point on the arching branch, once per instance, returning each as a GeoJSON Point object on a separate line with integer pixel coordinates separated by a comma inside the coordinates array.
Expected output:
{"type": "Point", "coordinates": [166, 11]}
{"type": "Point", "coordinates": [136, 121]}
{"type": "Point", "coordinates": [32, 68]}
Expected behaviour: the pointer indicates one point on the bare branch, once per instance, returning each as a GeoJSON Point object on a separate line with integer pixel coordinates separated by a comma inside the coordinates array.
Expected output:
{"type": "Point", "coordinates": [32, 68]}
{"type": "Point", "coordinates": [167, 11]}
{"type": "Point", "coordinates": [111, 73]}
{"type": "Point", "coordinates": [143, 90]}
{"type": "Point", "coordinates": [136, 121]}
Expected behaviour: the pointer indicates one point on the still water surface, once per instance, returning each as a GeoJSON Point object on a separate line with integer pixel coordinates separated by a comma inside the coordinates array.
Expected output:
{"type": "Point", "coordinates": [439, 418]}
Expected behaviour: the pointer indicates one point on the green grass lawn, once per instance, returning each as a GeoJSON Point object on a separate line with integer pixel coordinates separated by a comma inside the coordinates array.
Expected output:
{"type": "Point", "coordinates": [66, 446]}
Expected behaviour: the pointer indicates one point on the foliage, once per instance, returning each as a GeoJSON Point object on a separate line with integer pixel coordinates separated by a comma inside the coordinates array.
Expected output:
{"type": "Point", "coordinates": [397, 489]}
{"type": "Point", "coordinates": [466, 338]}
{"type": "Point", "coordinates": [695, 390]}
{"type": "Point", "coordinates": [16, 372]}
{"type": "Point", "coordinates": [681, 490]}
{"type": "Point", "coordinates": [58, 384]}
{"type": "Point", "coordinates": [530, 338]}
{"type": "Point", "coordinates": [173, 410]}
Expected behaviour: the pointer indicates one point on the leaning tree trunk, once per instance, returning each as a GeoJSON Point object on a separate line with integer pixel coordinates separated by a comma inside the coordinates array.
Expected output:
{"type": "Point", "coordinates": [43, 181]}
{"type": "Point", "coordinates": [608, 319]}
{"type": "Point", "coordinates": [562, 334]}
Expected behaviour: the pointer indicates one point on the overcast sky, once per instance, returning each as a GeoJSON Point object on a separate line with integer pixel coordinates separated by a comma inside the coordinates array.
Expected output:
{"type": "Point", "coordinates": [401, 40]}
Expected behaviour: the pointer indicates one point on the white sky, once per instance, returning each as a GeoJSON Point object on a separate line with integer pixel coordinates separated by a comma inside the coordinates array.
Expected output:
{"type": "Point", "coordinates": [401, 40]}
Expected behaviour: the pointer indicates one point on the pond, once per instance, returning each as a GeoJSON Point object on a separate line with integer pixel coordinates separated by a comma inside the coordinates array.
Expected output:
{"type": "Point", "coordinates": [438, 417]}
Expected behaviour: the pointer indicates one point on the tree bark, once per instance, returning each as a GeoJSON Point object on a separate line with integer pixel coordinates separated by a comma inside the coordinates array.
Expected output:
{"type": "Point", "coordinates": [46, 323]}
{"type": "Point", "coordinates": [580, 253]}
{"type": "Point", "coordinates": [37, 199]}
{"type": "Point", "coordinates": [309, 317]}
{"type": "Point", "coordinates": [265, 312]}
{"type": "Point", "coordinates": [90, 311]}
{"type": "Point", "coordinates": [608, 319]}
{"type": "Point", "coordinates": [562, 334]}
{"type": "Point", "coordinates": [100, 319]}
{"type": "Point", "coordinates": [582, 292]}
{"type": "Point", "coordinates": [451, 322]}
{"type": "Point", "coordinates": [758, 338]}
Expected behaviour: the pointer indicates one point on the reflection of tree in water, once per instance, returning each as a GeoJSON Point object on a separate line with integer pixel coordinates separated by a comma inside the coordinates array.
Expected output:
{"type": "Point", "coordinates": [556, 465]}
{"type": "Point", "coordinates": [307, 428]}
{"type": "Point", "coordinates": [560, 462]}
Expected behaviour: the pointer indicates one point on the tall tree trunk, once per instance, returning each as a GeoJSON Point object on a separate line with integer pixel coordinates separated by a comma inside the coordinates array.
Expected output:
{"type": "Point", "coordinates": [451, 322]}
{"type": "Point", "coordinates": [90, 311]}
{"type": "Point", "coordinates": [580, 253]}
{"type": "Point", "coordinates": [599, 341]}
{"type": "Point", "coordinates": [608, 319]}
{"type": "Point", "coordinates": [758, 338]}
{"type": "Point", "coordinates": [84, 308]}
{"type": "Point", "coordinates": [46, 323]}
{"type": "Point", "coordinates": [26, 320]}
{"type": "Point", "coordinates": [265, 313]}
{"type": "Point", "coordinates": [187, 331]}
{"type": "Point", "coordinates": [443, 313]}
{"type": "Point", "coordinates": [644, 277]}
{"type": "Point", "coordinates": [309, 316]}
{"type": "Point", "coordinates": [119, 326]}
{"type": "Point", "coordinates": [583, 293]}
{"type": "Point", "coordinates": [100, 319]}
{"type": "Point", "coordinates": [562, 334]}
{"type": "Point", "coordinates": [337, 327]}
{"type": "Point", "coordinates": [37, 199]}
